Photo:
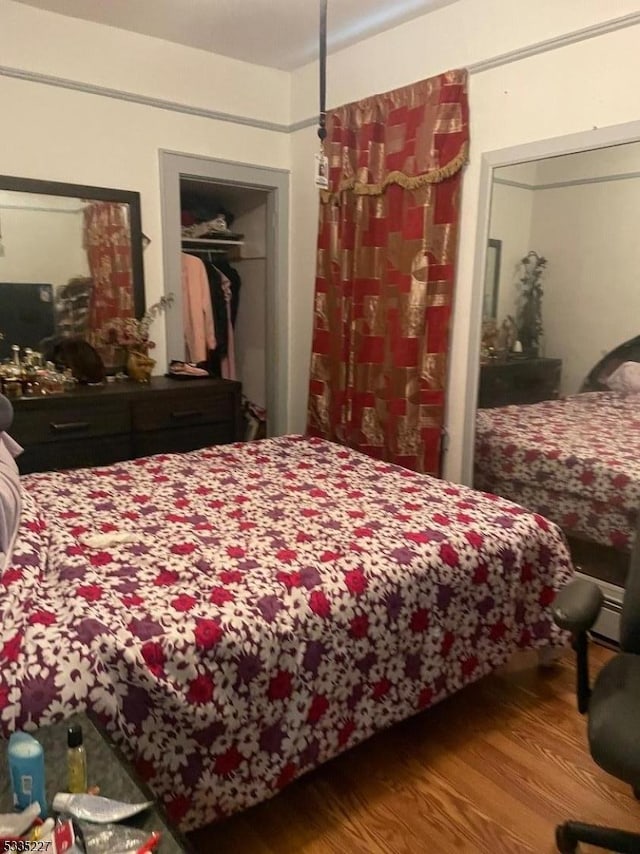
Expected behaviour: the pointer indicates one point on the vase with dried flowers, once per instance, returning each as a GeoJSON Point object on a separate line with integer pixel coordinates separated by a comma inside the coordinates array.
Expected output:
{"type": "Point", "coordinates": [131, 336]}
{"type": "Point", "coordinates": [529, 308]}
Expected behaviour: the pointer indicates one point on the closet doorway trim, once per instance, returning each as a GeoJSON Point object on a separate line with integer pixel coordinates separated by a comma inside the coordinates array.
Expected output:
{"type": "Point", "coordinates": [275, 182]}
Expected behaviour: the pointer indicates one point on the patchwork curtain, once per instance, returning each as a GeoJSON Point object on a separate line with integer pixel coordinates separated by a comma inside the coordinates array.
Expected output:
{"type": "Point", "coordinates": [107, 240]}
{"type": "Point", "coordinates": [387, 240]}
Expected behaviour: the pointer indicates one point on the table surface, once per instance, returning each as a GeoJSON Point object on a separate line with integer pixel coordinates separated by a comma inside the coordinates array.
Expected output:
{"type": "Point", "coordinates": [106, 769]}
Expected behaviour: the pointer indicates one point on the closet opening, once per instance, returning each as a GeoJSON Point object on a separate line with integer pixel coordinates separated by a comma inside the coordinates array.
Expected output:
{"type": "Point", "coordinates": [225, 226]}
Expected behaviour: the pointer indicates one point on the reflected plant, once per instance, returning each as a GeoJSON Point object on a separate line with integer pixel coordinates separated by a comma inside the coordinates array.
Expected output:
{"type": "Point", "coordinates": [529, 307]}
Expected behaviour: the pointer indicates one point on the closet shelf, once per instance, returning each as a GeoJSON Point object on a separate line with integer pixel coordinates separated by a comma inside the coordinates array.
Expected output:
{"type": "Point", "coordinates": [212, 241]}
{"type": "Point", "coordinates": [230, 248]}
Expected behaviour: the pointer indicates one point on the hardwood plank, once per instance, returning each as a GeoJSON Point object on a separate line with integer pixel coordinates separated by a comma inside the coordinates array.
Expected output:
{"type": "Point", "coordinates": [492, 769]}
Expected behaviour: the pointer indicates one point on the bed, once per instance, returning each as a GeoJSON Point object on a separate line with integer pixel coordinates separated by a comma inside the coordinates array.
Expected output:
{"type": "Point", "coordinates": [238, 615]}
{"type": "Point", "coordinates": [575, 460]}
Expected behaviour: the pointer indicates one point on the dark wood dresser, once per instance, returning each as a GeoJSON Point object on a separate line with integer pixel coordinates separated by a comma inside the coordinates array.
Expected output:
{"type": "Point", "coordinates": [93, 426]}
{"type": "Point", "coordinates": [519, 381]}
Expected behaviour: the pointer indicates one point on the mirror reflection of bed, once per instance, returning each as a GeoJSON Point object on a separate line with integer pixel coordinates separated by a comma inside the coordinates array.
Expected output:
{"type": "Point", "coordinates": [558, 418]}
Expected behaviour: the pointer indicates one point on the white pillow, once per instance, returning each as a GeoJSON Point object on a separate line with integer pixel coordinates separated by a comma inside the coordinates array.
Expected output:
{"type": "Point", "coordinates": [10, 497]}
{"type": "Point", "coordinates": [625, 378]}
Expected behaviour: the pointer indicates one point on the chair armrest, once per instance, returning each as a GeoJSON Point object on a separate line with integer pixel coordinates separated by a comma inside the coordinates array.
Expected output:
{"type": "Point", "coordinates": [577, 606]}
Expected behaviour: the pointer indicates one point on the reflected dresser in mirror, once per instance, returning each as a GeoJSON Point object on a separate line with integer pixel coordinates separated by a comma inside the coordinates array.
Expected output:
{"type": "Point", "coordinates": [516, 381]}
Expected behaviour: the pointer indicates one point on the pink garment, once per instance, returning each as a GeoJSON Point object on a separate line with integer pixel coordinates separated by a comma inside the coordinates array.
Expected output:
{"type": "Point", "coordinates": [197, 313]}
{"type": "Point", "coordinates": [228, 362]}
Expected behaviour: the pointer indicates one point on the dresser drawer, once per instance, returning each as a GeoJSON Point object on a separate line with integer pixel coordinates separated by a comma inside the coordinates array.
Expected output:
{"type": "Point", "coordinates": [183, 409]}
{"type": "Point", "coordinates": [61, 420]}
{"type": "Point", "coordinates": [95, 426]}
{"type": "Point", "coordinates": [70, 454]}
{"type": "Point", "coordinates": [179, 441]}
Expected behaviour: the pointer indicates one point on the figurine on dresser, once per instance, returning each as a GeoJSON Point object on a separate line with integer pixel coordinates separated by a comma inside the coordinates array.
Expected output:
{"type": "Point", "coordinates": [27, 375]}
{"type": "Point", "coordinates": [508, 336]}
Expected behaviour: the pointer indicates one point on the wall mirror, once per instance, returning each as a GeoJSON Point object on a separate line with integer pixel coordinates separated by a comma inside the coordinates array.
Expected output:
{"type": "Point", "coordinates": [70, 260]}
{"type": "Point", "coordinates": [557, 423]}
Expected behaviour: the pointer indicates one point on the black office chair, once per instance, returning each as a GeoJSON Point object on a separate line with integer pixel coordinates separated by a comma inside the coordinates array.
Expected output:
{"type": "Point", "coordinates": [614, 703]}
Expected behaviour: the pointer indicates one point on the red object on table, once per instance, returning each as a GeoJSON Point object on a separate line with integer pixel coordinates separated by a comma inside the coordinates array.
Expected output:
{"type": "Point", "coordinates": [150, 844]}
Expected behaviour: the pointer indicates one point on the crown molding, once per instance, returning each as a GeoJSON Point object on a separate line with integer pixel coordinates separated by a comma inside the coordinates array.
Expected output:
{"type": "Point", "coordinates": [544, 46]}
{"type": "Point", "coordinates": [583, 34]}
{"type": "Point", "coordinates": [574, 182]}
{"type": "Point", "coordinates": [135, 98]}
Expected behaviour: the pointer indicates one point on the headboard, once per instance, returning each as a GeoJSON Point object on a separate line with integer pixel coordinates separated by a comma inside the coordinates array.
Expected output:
{"type": "Point", "coordinates": [627, 352]}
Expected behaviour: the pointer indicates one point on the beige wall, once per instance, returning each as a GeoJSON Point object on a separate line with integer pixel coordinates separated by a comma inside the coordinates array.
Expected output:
{"type": "Point", "coordinates": [580, 213]}
{"type": "Point", "coordinates": [588, 233]}
{"type": "Point", "coordinates": [511, 210]}
{"type": "Point", "coordinates": [74, 49]}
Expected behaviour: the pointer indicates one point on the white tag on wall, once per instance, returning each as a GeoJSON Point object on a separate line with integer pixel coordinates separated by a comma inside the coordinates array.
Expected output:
{"type": "Point", "coordinates": [321, 171]}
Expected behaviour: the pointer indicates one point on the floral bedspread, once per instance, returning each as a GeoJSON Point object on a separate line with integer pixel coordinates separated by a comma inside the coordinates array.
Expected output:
{"type": "Point", "coordinates": [575, 460]}
{"type": "Point", "coordinates": [240, 614]}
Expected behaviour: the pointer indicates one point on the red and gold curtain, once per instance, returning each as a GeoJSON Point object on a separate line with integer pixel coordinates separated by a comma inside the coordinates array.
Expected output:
{"type": "Point", "coordinates": [387, 240]}
{"type": "Point", "coordinates": [107, 239]}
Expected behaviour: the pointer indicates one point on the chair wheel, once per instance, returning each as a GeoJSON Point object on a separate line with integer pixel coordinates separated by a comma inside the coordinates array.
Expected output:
{"type": "Point", "coordinates": [565, 843]}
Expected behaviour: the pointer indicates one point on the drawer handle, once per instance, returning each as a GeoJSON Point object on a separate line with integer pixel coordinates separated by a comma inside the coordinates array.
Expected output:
{"type": "Point", "coordinates": [67, 426]}
{"type": "Point", "coordinates": [187, 413]}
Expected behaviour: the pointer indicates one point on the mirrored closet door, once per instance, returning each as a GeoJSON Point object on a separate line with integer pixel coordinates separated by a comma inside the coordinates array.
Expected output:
{"type": "Point", "coordinates": [558, 417]}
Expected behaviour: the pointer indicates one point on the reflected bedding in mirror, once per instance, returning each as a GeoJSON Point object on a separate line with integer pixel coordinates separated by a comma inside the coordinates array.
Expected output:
{"type": "Point", "coordinates": [553, 316]}
{"type": "Point", "coordinates": [575, 460]}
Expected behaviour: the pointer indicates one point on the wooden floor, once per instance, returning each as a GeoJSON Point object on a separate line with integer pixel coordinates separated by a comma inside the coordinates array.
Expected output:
{"type": "Point", "coordinates": [492, 769]}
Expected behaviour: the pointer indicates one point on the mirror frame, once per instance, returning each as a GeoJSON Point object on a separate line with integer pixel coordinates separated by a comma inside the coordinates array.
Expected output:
{"type": "Point", "coordinates": [99, 194]}
{"type": "Point", "coordinates": [492, 264]}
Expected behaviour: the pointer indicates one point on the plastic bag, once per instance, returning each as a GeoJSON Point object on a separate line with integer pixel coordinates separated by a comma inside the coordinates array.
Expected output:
{"type": "Point", "coordinates": [110, 838]}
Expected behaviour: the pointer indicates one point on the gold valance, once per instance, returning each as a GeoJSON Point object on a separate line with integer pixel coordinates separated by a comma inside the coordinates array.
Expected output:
{"type": "Point", "coordinates": [412, 136]}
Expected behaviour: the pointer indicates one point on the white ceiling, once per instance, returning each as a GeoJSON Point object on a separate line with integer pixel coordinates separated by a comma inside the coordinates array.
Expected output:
{"type": "Point", "coordinates": [279, 33]}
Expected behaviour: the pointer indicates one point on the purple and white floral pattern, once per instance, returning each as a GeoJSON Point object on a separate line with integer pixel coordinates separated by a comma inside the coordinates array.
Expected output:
{"type": "Point", "coordinates": [575, 460]}
{"type": "Point", "coordinates": [240, 614]}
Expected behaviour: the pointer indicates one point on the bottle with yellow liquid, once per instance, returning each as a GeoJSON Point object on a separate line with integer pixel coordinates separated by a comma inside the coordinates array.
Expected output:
{"type": "Point", "coordinates": [76, 760]}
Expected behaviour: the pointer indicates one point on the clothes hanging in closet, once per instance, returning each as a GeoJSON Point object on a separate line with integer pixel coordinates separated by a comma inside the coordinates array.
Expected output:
{"type": "Point", "coordinates": [236, 282]}
{"type": "Point", "coordinates": [208, 329]}
{"type": "Point", "coordinates": [197, 314]}
{"type": "Point", "coordinates": [222, 361]}
{"type": "Point", "coordinates": [219, 306]}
